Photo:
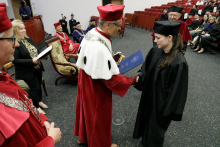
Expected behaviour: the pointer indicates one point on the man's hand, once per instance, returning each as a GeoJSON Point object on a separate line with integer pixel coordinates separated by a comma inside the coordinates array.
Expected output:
{"type": "Point", "coordinates": [36, 61]}
{"type": "Point", "coordinates": [71, 47]}
{"type": "Point", "coordinates": [55, 133]}
{"type": "Point", "coordinates": [63, 23]}
{"type": "Point", "coordinates": [135, 79]}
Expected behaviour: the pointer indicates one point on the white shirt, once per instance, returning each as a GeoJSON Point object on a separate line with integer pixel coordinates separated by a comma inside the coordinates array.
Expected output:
{"type": "Point", "coordinates": [199, 3]}
{"type": "Point", "coordinates": [188, 4]}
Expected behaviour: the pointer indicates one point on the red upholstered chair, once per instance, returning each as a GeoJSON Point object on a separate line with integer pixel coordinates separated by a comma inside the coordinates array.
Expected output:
{"type": "Point", "coordinates": [157, 14]}
{"type": "Point", "coordinates": [147, 9]}
{"type": "Point", "coordinates": [148, 13]}
{"type": "Point", "coordinates": [153, 13]}
{"type": "Point", "coordinates": [121, 32]}
{"type": "Point", "coordinates": [157, 7]}
{"type": "Point", "coordinates": [213, 13]}
{"type": "Point", "coordinates": [202, 6]}
{"type": "Point", "coordinates": [188, 9]}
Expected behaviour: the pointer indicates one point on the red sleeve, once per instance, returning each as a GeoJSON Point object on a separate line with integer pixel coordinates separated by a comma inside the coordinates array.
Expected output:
{"type": "Point", "coordinates": [184, 31]}
{"type": "Point", "coordinates": [46, 142]}
{"type": "Point", "coordinates": [44, 118]}
{"type": "Point", "coordinates": [118, 84]}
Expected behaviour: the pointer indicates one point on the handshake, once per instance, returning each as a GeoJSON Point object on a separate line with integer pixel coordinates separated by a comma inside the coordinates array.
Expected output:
{"type": "Point", "coordinates": [135, 79]}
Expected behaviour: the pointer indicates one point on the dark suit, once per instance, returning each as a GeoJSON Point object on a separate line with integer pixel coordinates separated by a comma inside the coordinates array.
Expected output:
{"type": "Point", "coordinates": [71, 22]}
{"type": "Point", "coordinates": [24, 69]}
{"type": "Point", "coordinates": [64, 26]}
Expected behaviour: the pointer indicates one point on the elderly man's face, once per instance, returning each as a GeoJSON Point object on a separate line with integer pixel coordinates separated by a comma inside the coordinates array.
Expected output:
{"type": "Point", "coordinates": [7, 48]}
{"type": "Point", "coordinates": [78, 26]}
{"type": "Point", "coordinates": [59, 28]}
{"type": "Point", "coordinates": [174, 16]}
{"type": "Point", "coordinates": [113, 28]}
{"type": "Point", "coordinates": [196, 16]}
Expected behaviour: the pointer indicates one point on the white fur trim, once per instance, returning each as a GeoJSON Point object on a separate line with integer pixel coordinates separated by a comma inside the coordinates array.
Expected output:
{"type": "Point", "coordinates": [97, 58]}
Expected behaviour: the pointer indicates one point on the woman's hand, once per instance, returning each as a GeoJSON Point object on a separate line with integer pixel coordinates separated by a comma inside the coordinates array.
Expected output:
{"type": "Point", "coordinates": [36, 61]}
{"type": "Point", "coordinates": [47, 125]}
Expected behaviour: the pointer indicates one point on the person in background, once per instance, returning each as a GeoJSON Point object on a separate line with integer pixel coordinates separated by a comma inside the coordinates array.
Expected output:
{"type": "Point", "coordinates": [27, 66]}
{"type": "Point", "coordinates": [72, 21]}
{"type": "Point", "coordinates": [68, 46]}
{"type": "Point", "coordinates": [63, 23]}
{"type": "Point", "coordinates": [164, 16]}
{"type": "Point", "coordinates": [194, 10]}
{"type": "Point", "coordinates": [164, 68]}
{"type": "Point", "coordinates": [190, 19]}
{"type": "Point", "coordinates": [188, 2]}
{"type": "Point", "coordinates": [208, 14]}
{"type": "Point", "coordinates": [208, 8]}
{"type": "Point", "coordinates": [78, 33]}
{"type": "Point", "coordinates": [24, 11]}
{"type": "Point", "coordinates": [91, 25]}
{"type": "Point", "coordinates": [213, 34]}
{"type": "Point", "coordinates": [199, 2]}
{"type": "Point", "coordinates": [217, 14]}
{"type": "Point", "coordinates": [21, 124]}
{"type": "Point", "coordinates": [195, 23]}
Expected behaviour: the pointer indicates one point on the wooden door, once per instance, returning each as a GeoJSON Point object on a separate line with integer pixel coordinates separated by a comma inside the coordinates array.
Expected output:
{"type": "Point", "coordinates": [118, 2]}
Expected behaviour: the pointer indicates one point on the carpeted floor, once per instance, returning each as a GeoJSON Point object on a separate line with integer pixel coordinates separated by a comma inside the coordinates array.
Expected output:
{"type": "Point", "coordinates": [200, 126]}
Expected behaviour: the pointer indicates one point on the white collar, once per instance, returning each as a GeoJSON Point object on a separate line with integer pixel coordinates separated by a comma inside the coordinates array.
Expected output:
{"type": "Point", "coordinates": [1, 73]}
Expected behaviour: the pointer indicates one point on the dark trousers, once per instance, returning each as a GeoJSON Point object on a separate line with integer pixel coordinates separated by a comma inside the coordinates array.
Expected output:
{"type": "Point", "coordinates": [35, 87]}
{"type": "Point", "coordinates": [205, 41]}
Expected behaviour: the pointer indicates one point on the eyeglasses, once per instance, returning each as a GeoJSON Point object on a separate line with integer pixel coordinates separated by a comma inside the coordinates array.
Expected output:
{"type": "Point", "coordinates": [117, 25]}
{"type": "Point", "coordinates": [13, 38]}
{"type": "Point", "coordinates": [170, 15]}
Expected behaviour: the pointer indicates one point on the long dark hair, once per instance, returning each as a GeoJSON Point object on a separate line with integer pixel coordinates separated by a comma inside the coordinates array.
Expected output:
{"type": "Point", "coordinates": [177, 46]}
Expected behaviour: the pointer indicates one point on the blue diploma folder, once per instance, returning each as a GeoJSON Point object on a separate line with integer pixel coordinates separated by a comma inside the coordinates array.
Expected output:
{"type": "Point", "coordinates": [131, 62]}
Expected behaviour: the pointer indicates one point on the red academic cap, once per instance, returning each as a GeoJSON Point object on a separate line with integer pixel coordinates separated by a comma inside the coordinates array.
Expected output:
{"type": "Point", "coordinates": [110, 12]}
{"type": "Point", "coordinates": [57, 24]}
{"type": "Point", "coordinates": [5, 22]}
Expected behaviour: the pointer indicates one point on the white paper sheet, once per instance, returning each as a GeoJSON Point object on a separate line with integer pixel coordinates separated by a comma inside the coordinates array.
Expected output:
{"type": "Point", "coordinates": [200, 12]}
{"type": "Point", "coordinates": [185, 15]}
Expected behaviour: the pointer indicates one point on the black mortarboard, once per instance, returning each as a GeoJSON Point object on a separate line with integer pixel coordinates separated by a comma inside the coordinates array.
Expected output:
{"type": "Point", "coordinates": [75, 24]}
{"type": "Point", "coordinates": [167, 27]}
{"type": "Point", "coordinates": [175, 9]}
{"type": "Point", "coordinates": [91, 20]}
{"type": "Point", "coordinates": [72, 14]}
{"type": "Point", "coordinates": [191, 14]}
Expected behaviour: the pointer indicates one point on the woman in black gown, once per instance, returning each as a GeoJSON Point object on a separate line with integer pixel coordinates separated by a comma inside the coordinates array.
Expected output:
{"type": "Point", "coordinates": [163, 80]}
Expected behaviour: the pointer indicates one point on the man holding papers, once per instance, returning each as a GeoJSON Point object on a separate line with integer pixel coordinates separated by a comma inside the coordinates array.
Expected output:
{"type": "Point", "coordinates": [163, 80]}
{"type": "Point", "coordinates": [98, 78]}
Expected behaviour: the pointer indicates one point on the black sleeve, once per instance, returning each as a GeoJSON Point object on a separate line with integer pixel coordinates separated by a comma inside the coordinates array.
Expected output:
{"type": "Point", "coordinates": [19, 61]}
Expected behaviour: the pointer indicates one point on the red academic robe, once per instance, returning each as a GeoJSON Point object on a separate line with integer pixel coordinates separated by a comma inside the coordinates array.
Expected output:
{"type": "Point", "coordinates": [65, 41]}
{"type": "Point", "coordinates": [19, 128]}
{"type": "Point", "coordinates": [183, 30]}
{"type": "Point", "coordinates": [93, 120]}
{"type": "Point", "coordinates": [188, 21]}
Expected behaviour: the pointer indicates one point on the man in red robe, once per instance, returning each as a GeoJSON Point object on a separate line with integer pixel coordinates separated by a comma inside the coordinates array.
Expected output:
{"type": "Point", "coordinates": [174, 15]}
{"type": "Point", "coordinates": [98, 78]}
{"type": "Point", "coordinates": [68, 46]}
{"type": "Point", "coordinates": [21, 125]}
{"type": "Point", "coordinates": [190, 19]}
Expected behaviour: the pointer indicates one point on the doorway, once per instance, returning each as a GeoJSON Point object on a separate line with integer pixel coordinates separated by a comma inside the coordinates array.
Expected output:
{"type": "Point", "coordinates": [16, 4]}
{"type": "Point", "coordinates": [118, 2]}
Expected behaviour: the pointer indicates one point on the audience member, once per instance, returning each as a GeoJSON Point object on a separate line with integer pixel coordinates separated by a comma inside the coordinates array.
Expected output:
{"type": "Point", "coordinates": [21, 124]}
{"type": "Point", "coordinates": [217, 14]}
{"type": "Point", "coordinates": [188, 2]}
{"type": "Point", "coordinates": [78, 33]}
{"type": "Point", "coordinates": [27, 66]}
{"type": "Point", "coordinates": [160, 102]}
{"type": "Point", "coordinates": [190, 19]}
{"type": "Point", "coordinates": [91, 25]}
{"type": "Point", "coordinates": [68, 46]}
{"type": "Point", "coordinates": [208, 14]}
{"type": "Point", "coordinates": [63, 23]}
{"type": "Point", "coordinates": [195, 23]}
{"type": "Point", "coordinates": [214, 3]}
{"type": "Point", "coordinates": [199, 2]}
{"type": "Point", "coordinates": [196, 32]}
{"type": "Point", "coordinates": [24, 11]}
{"type": "Point", "coordinates": [98, 77]}
{"type": "Point", "coordinates": [205, 2]}
{"type": "Point", "coordinates": [207, 37]}
{"type": "Point", "coordinates": [194, 10]}
{"type": "Point", "coordinates": [164, 16]}
{"type": "Point", "coordinates": [72, 21]}
{"type": "Point", "coordinates": [210, 33]}
{"type": "Point", "coordinates": [208, 8]}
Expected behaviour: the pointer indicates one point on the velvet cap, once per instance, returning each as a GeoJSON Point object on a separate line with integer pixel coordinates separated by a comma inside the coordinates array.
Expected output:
{"type": "Point", "coordinates": [110, 12]}
{"type": "Point", "coordinates": [175, 9]}
{"type": "Point", "coordinates": [75, 24]}
{"type": "Point", "coordinates": [57, 24]}
{"type": "Point", "coordinates": [167, 27]}
{"type": "Point", "coordinates": [72, 14]}
{"type": "Point", "coordinates": [91, 20]}
{"type": "Point", "coordinates": [5, 22]}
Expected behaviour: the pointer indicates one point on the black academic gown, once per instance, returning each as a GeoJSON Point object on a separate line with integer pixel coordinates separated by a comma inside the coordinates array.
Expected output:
{"type": "Point", "coordinates": [164, 92]}
{"type": "Point", "coordinates": [207, 8]}
{"type": "Point", "coordinates": [164, 17]}
{"type": "Point", "coordinates": [194, 24]}
{"type": "Point", "coordinates": [71, 22]}
{"type": "Point", "coordinates": [64, 26]}
{"type": "Point", "coordinates": [193, 11]}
